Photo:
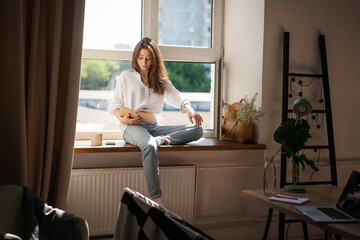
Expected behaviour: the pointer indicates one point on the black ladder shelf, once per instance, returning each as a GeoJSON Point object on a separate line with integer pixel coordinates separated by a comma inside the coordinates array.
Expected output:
{"type": "Point", "coordinates": [285, 110]}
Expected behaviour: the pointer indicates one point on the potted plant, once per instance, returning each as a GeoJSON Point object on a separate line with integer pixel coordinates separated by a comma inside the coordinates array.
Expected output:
{"type": "Point", "coordinates": [248, 112]}
{"type": "Point", "coordinates": [238, 118]}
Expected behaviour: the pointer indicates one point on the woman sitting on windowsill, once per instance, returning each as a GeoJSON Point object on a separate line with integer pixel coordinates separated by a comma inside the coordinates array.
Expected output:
{"type": "Point", "coordinates": [147, 86]}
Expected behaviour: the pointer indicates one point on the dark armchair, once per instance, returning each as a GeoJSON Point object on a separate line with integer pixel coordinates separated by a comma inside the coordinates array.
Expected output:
{"type": "Point", "coordinates": [23, 215]}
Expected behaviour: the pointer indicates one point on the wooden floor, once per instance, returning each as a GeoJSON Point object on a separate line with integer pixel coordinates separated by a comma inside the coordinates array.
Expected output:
{"type": "Point", "coordinates": [203, 144]}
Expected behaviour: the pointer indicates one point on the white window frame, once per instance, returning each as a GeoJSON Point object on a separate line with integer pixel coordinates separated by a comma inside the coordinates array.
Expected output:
{"type": "Point", "coordinates": [172, 53]}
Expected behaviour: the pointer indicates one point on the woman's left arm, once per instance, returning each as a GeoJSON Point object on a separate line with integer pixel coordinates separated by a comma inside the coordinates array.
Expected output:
{"type": "Point", "coordinates": [175, 98]}
{"type": "Point", "coordinates": [192, 115]}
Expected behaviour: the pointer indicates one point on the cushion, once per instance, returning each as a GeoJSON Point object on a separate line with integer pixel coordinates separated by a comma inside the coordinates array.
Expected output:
{"type": "Point", "coordinates": [11, 217]}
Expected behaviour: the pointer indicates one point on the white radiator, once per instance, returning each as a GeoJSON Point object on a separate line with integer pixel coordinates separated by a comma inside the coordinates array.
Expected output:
{"type": "Point", "coordinates": [95, 194]}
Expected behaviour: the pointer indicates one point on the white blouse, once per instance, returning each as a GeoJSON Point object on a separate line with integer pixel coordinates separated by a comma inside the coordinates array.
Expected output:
{"type": "Point", "coordinates": [132, 93]}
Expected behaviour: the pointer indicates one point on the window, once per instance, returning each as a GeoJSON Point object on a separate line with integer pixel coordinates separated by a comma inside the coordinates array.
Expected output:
{"type": "Point", "coordinates": [195, 81]}
{"type": "Point", "coordinates": [191, 50]}
{"type": "Point", "coordinates": [110, 25]}
{"type": "Point", "coordinates": [98, 80]}
{"type": "Point", "coordinates": [195, 32]}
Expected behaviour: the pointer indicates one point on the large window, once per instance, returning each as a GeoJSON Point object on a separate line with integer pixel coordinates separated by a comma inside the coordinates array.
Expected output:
{"type": "Point", "coordinates": [185, 23]}
{"type": "Point", "coordinates": [112, 24]}
{"type": "Point", "coordinates": [189, 36]}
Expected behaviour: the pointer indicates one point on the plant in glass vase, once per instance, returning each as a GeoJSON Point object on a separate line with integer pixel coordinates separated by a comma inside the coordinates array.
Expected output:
{"type": "Point", "coordinates": [292, 135]}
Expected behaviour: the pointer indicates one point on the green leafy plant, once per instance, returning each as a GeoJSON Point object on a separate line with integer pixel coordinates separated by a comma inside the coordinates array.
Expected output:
{"type": "Point", "coordinates": [248, 112]}
{"type": "Point", "coordinates": [292, 135]}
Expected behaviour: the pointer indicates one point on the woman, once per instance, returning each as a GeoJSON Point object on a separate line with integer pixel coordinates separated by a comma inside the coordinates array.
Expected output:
{"type": "Point", "coordinates": [147, 86]}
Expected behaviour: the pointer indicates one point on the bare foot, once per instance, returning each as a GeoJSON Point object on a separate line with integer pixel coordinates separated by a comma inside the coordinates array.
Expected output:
{"type": "Point", "coordinates": [160, 140]}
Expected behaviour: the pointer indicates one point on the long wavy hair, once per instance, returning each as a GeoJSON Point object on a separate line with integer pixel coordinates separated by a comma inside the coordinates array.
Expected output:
{"type": "Point", "coordinates": [157, 71]}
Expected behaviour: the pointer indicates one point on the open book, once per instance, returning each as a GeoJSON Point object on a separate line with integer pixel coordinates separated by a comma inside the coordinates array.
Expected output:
{"type": "Point", "coordinates": [147, 115]}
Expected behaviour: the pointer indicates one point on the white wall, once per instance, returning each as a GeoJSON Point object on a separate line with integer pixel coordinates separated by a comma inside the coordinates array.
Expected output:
{"type": "Point", "coordinates": [339, 21]}
{"type": "Point", "coordinates": [243, 49]}
{"type": "Point", "coordinates": [243, 52]}
{"type": "Point", "coordinates": [253, 32]}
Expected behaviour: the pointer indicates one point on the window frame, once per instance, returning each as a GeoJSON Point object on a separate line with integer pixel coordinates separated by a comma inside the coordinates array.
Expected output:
{"type": "Point", "coordinates": [214, 54]}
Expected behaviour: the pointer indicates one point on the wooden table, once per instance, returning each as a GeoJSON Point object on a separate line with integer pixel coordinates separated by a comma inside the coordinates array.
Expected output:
{"type": "Point", "coordinates": [319, 196]}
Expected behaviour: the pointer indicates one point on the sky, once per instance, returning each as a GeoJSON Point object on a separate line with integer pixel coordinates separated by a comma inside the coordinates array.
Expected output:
{"type": "Point", "coordinates": [109, 22]}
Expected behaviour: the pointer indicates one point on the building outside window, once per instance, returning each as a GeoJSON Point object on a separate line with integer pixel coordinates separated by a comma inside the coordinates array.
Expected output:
{"type": "Point", "coordinates": [185, 31]}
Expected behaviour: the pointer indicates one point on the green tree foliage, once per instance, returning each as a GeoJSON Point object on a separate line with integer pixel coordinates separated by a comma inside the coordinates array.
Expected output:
{"type": "Point", "coordinates": [189, 77]}
{"type": "Point", "coordinates": [96, 74]}
{"type": "Point", "coordinates": [186, 77]}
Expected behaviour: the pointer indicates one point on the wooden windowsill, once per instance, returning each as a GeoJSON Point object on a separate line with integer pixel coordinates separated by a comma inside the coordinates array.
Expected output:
{"type": "Point", "coordinates": [204, 144]}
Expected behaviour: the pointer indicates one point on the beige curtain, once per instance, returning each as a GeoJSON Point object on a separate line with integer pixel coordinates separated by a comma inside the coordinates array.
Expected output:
{"type": "Point", "coordinates": [40, 61]}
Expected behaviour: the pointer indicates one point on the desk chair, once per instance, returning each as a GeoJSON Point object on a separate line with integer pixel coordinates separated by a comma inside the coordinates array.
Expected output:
{"type": "Point", "coordinates": [141, 218]}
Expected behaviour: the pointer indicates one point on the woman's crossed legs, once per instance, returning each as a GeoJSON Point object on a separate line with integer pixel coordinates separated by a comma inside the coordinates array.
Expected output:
{"type": "Point", "coordinates": [144, 136]}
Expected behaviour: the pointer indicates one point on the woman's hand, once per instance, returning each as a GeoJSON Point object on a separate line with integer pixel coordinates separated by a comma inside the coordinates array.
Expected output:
{"type": "Point", "coordinates": [193, 116]}
{"type": "Point", "coordinates": [127, 120]}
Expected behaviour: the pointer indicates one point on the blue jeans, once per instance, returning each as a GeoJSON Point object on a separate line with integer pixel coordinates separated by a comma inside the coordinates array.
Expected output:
{"type": "Point", "coordinates": [143, 135]}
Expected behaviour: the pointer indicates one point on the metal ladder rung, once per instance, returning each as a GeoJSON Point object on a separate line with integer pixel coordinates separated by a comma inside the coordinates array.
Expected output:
{"type": "Point", "coordinates": [317, 147]}
{"type": "Point", "coordinates": [313, 111]}
{"type": "Point", "coordinates": [305, 75]}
